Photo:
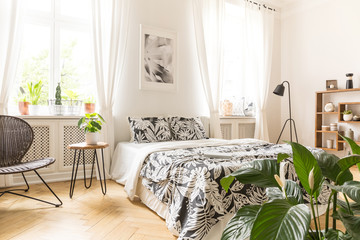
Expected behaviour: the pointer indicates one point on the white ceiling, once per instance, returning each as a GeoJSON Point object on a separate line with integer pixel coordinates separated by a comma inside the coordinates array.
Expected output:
{"type": "Point", "coordinates": [282, 3]}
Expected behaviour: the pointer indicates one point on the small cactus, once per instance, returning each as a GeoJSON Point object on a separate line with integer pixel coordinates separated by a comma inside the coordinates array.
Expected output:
{"type": "Point", "coordinates": [58, 95]}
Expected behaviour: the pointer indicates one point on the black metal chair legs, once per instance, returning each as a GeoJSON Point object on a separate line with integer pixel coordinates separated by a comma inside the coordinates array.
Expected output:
{"type": "Point", "coordinates": [36, 199]}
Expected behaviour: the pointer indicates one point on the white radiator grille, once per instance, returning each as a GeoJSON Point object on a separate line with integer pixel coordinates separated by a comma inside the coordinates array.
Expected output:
{"type": "Point", "coordinates": [226, 131]}
{"type": "Point", "coordinates": [72, 134]}
{"type": "Point", "coordinates": [40, 147]}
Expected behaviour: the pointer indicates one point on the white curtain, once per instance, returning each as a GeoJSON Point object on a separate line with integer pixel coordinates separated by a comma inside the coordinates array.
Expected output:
{"type": "Point", "coordinates": [10, 34]}
{"type": "Point", "coordinates": [110, 20]}
{"type": "Point", "coordinates": [209, 22]}
{"type": "Point", "coordinates": [258, 32]}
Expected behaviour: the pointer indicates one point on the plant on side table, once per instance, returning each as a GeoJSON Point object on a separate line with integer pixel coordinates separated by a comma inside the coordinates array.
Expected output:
{"type": "Point", "coordinates": [34, 95]}
{"type": "Point", "coordinates": [91, 124]}
{"type": "Point", "coordinates": [285, 215]}
{"type": "Point", "coordinates": [23, 104]}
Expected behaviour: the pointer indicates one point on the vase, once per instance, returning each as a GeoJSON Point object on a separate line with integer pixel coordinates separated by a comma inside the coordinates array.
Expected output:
{"type": "Point", "coordinates": [349, 133]}
{"type": "Point", "coordinates": [227, 108]}
{"type": "Point", "coordinates": [34, 109]}
{"type": "Point", "coordinates": [91, 138]}
{"type": "Point", "coordinates": [24, 108]}
{"type": "Point", "coordinates": [347, 117]}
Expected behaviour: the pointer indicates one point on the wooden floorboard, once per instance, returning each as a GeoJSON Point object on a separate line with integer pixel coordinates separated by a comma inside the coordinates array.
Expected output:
{"type": "Point", "coordinates": [88, 215]}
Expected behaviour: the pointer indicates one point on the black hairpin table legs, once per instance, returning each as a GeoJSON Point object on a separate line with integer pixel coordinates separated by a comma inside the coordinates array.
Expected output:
{"type": "Point", "coordinates": [77, 157]}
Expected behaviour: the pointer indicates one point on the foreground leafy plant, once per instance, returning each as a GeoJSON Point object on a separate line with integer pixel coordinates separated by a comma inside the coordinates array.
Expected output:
{"type": "Point", "coordinates": [285, 215]}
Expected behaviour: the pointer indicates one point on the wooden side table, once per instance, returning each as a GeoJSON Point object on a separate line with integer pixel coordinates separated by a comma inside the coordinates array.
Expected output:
{"type": "Point", "coordinates": [82, 147]}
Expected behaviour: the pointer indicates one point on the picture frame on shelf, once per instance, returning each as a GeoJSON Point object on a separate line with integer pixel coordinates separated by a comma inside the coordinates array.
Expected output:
{"type": "Point", "coordinates": [331, 85]}
{"type": "Point", "coordinates": [158, 59]}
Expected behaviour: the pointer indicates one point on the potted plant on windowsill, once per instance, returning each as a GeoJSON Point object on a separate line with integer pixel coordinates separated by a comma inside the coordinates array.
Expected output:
{"type": "Point", "coordinates": [89, 104]}
{"type": "Point", "coordinates": [23, 103]}
{"type": "Point", "coordinates": [34, 95]}
{"type": "Point", "coordinates": [92, 126]}
{"type": "Point", "coordinates": [74, 104]}
{"type": "Point", "coordinates": [58, 104]}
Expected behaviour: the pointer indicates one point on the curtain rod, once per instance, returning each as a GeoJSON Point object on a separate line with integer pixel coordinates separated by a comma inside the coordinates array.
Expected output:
{"type": "Point", "coordinates": [263, 5]}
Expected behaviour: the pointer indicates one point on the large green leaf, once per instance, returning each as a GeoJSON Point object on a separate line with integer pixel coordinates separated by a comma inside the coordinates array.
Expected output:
{"type": "Point", "coordinates": [280, 220]}
{"type": "Point", "coordinates": [293, 189]}
{"type": "Point", "coordinates": [355, 207]}
{"type": "Point", "coordinates": [226, 182]}
{"type": "Point", "coordinates": [354, 147]}
{"type": "Point", "coordinates": [304, 162]}
{"type": "Point", "coordinates": [282, 156]}
{"type": "Point", "coordinates": [274, 193]}
{"type": "Point", "coordinates": [351, 223]}
{"type": "Point", "coordinates": [258, 172]}
{"type": "Point", "coordinates": [239, 227]}
{"type": "Point", "coordinates": [347, 162]}
{"type": "Point", "coordinates": [330, 168]}
{"type": "Point", "coordinates": [352, 189]}
{"type": "Point", "coordinates": [337, 235]}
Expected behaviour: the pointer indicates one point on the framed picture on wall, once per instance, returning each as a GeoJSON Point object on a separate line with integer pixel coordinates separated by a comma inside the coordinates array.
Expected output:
{"type": "Point", "coordinates": [158, 65]}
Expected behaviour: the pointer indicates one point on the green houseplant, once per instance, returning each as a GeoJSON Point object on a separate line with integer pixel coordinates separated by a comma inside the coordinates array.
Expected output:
{"type": "Point", "coordinates": [74, 104]}
{"type": "Point", "coordinates": [34, 95]}
{"type": "Point", "coordinates": [285, 215]}
{"type": "Point", "coordinates": [23, 104]}
{"type": "Point", "coordinates": [347, 115]}
{"type": "Point", "coordinates": [57, 108]}
{"type": "Point", "coordinates": [89, 104]}
{"type": "Point", "coordinates": [91, 123]}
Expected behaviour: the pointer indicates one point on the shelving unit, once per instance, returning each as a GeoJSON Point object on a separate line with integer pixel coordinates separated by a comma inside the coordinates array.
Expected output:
{"type": "Point", "coordinates": [321, 116]}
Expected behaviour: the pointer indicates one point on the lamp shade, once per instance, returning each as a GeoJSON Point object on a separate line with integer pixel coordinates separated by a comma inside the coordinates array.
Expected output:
{"type": "Point", "coordinates": [279, 90]}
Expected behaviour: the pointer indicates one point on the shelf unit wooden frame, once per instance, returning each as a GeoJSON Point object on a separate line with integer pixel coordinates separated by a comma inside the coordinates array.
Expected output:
{"type": "Point", "coordinates": [342, 108]}
{"type": "Point", "coordinates": [320, 116]}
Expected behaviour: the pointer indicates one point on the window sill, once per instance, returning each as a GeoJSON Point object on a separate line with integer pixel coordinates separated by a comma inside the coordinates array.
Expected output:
{"type": "Point", "coordinates": [49, 116]}
{"type": "Point", "coordinates": [236, 117]}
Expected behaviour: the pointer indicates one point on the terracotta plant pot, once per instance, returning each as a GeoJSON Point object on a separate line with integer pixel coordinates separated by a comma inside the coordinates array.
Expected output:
{"type": "Point", "coordinates": [89, 107]}
{"type": "Point", "coordinates": [24, 108]}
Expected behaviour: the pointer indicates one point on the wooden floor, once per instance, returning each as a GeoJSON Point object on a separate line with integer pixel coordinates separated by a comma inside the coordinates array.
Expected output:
{"type": "Point", "coordinates": [88, 215]}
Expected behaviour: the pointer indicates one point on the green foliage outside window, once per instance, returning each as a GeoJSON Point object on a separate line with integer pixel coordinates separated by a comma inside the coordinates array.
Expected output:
{"type": "Point", "coordinates": [36, 68]}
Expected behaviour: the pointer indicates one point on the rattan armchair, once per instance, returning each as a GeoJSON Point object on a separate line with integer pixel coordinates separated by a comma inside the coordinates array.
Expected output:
{"type": "Point", "coordinates": [16, 137]}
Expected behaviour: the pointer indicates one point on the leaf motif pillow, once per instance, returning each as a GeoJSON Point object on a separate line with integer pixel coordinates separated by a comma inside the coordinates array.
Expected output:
{"type": "Point", "coordinates": [150, 129]}
{"type": "Point", "coordinates": [187, 128]}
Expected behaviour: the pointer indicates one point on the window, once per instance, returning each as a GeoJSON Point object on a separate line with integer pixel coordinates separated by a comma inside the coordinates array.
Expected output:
{"type": "Point", "coordinates": [56, 47]}
{"type": "Point", "coordinates": [237, 86]}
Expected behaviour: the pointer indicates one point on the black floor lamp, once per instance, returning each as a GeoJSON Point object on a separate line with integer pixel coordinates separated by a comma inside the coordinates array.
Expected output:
{"type": "Point", "coordinates": [279, 90]}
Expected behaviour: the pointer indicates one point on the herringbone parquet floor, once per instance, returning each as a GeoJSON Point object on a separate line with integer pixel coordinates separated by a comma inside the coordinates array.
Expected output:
{"type": "Point", "coordinates": [88, 215]}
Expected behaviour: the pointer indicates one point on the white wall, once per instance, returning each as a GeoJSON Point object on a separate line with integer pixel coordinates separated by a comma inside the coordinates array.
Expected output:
{"type": "Point", "coordinates": [189, 98]}
{"type": "Point", "coordinates": [274, 102]}
{"type": "Point", "coordinates": [320, 41]}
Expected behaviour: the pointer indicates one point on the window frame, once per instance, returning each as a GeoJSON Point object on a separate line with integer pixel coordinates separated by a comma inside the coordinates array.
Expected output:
{"type": "Point", "coordinates": [56, 22]}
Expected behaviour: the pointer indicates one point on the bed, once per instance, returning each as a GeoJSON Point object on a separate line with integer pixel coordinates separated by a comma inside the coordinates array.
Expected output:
{"type": "Point", "coordinates": [180, 180]}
